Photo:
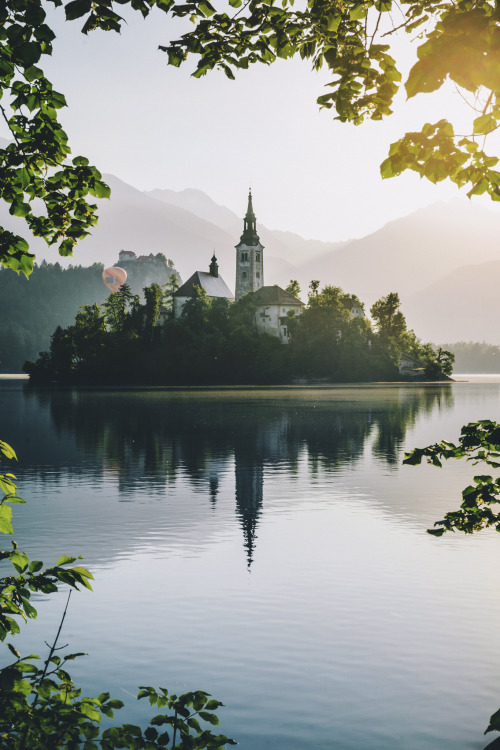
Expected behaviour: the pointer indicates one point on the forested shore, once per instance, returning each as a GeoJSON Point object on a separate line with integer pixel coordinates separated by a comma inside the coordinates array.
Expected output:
{"type": "Point", "coordinates": [215, 341]}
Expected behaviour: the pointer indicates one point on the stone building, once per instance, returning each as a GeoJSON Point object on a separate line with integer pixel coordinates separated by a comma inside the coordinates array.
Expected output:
{"type": "Point", "coordinates": [273, 305]}
{"type": "Point", "coordinates": [144, 270]}
{"type": "Point", "coordinates": [213, 284]}
{"type": "Point", "coordinates": [249, 256]}
{"type": "Point", "coordinates": [272, 302]}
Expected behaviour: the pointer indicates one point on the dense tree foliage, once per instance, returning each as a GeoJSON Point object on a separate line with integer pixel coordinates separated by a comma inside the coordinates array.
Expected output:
{"type": "Point", "coordinates": [217, 342]}
{"type": "Point", "coordinates": [30, 309]}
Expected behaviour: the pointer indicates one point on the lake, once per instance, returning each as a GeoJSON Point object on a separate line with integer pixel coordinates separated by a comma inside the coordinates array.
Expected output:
{"type": "Point", "coordinates": [267, 545]}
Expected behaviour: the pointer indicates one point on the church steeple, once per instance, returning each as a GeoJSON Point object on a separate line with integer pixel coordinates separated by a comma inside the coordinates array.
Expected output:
{"type": "Point", "coordinates": [250, 236]}
{"type": "Point", "coordinates": [214, 268]}
{"type": "Point", "coordinates": [249, 255]}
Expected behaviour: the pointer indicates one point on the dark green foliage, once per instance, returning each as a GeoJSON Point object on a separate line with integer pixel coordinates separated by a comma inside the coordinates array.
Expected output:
{"type": "Point", "coordinates": [479, 442]}
{"type": "Point", "coordinates": [293, 288]}
{"type": "Point", "coordinates": [31, 309]}
{"type": "Point", "coordinates": [388, 318]}
{"type": "Point", "coordinates": [216, 342]}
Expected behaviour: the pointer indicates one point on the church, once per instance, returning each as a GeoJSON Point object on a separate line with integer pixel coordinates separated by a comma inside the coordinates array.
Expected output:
{"type": "Point", "coordinates": [272, 302]}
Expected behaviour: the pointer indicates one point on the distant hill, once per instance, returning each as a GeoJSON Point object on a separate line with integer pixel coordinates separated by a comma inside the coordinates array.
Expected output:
{"type": "Point", "coordinates": [410, 253]}
{"type": "Point", "coordinates": [461, 306]}
{"type": "Point", "coordinates": [31, 309]}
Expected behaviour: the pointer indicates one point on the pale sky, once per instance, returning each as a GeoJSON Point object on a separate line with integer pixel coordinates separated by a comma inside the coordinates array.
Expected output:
{"type": "Point", "coordinates": [156, 127]}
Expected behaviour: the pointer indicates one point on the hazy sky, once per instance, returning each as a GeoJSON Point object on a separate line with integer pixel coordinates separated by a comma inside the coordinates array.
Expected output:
{"type": "Point", "coordinates": [156, 127]}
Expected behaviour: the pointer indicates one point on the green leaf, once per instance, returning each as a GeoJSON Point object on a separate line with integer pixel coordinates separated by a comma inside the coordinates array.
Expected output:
{"type": "Point", "coordinates": [66, 560]}
{"type": "Point", "coordinates": [494, 725]}
{"type": "Point", "coordinates": [358, 12]}
{"type": "Point", "coordinates": [89, 710]}
{"type": "Point", "coordinates": [206, 8]}
{"type": "Point", "coordinates": [14, 499]}
{"type": "Point", "coordinates": [19, 560]}
{"type": "Point", "coordinates": [101, 190]}
{"type": "Point", "coordinates": [14, 650]}
{"type": "Point", "coordinates": [485, 124]}
{"type": "Point", "coordinates": [77, 9]}
{"type": "Point", "coordinates": [83, 572]}
{"type": "Point", "coordinates": [33, 73]}
{"type": "Point", "coordinates": [7, 451]}
{"type": "Point", "coordinates": [20, 209]}
{"type": "Point", "coordinates": [29, 53]}
{"type": "Point", "coordinates": [80, 161]}
{"type": "Point", "coordinates": [6, 519]}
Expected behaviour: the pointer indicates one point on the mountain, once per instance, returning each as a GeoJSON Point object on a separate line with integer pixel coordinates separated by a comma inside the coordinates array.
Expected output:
{"type": "Point", "coordinates": [462, 306]}
{"type": "Point", "coordinates": [280, 245]}
{"type": "Point", "coordinates": [436, 258]}
{"type": "Point", "coordinates": [409, 254]}
{"type": "Point", "coordinates": [134, 220]}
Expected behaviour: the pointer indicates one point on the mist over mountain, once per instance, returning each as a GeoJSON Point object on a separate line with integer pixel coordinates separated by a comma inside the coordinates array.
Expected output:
{"type": "Point", "coordinates": [279, 244]}
{"type": "Point", "coordinates": [462, 306]}
{"type": "Point", "coordinates": [409, 254]}
{"type": "Point", "coordinates": [443, 260]}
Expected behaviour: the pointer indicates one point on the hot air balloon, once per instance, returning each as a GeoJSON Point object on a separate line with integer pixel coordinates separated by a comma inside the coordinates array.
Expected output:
{"type": "Point", "coordinates": [114, 277]}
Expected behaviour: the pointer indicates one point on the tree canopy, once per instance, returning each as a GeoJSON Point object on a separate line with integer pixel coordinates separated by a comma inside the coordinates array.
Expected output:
{"type": "Point", "coordinates": [353, 40]}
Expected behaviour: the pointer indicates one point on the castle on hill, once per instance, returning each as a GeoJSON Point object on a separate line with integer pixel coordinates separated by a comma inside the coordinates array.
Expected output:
{"type": "Point", "coordinates": [273, 304]}
{"type": "Point", "coordinates": [144, 270]}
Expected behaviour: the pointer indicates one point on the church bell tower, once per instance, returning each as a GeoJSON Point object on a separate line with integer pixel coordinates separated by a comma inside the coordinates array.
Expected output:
{"type": "Point", "coordinates": [249, 256]}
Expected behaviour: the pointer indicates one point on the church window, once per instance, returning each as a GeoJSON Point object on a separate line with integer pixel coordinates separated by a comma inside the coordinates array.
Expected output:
{"type": "Point", "coordinates": [257, 275]}
{"type": "Point", "coordinates": [257, 257]}
{"type": "Point", "coordinates": [244, 275]}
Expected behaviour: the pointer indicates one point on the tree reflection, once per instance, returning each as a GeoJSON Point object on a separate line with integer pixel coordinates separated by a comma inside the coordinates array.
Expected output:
{"type": "Point", "coordinates": [152, 438]}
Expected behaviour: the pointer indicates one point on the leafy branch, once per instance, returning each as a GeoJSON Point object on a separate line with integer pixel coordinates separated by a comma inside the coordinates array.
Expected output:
{"type": "Point", "coordinates": [479, 442]}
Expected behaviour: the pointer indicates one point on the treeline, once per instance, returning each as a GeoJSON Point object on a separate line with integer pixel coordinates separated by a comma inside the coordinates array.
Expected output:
{"type": "Point", "coordinates": [30, 309]}
{"type": "Point", "coordinates": [216, 342]}
{"type": "Point", "coordinates": [475, 357]}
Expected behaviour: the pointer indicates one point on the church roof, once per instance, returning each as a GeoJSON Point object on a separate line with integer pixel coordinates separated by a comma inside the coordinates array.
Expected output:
{"type": "Point", "coordinates": [274, 295]}
{"type": "Point", "coordinates": [215, 286]}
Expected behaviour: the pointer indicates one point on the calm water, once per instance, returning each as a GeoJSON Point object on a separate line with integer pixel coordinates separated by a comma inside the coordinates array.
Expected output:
{"type": "Point", "coordinates": [268, 547]}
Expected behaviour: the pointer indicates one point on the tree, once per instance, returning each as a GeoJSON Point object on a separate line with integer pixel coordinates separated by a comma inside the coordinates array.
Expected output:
{"type": "Point", "coordinates": [293, 288]}
{"type": "Point", "coordinates": [169, 289]}
{"type": "Point", "coordinates": [389, 319]}
{"type": "Point", "coordinates": [153, 295]}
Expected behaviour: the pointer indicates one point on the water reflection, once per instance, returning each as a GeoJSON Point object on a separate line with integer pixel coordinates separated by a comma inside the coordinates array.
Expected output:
{"type": "Point", "coordinates": [152, 439]}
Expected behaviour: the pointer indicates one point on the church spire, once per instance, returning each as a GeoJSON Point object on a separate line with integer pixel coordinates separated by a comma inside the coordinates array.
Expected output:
{"type": "Point", "coordinates": [250, 236]}
{"type": "Point", "coordinates": [249, 255]}
{"type": "Point", "coordinates": [250, 214]}
{"type": "Point", "coordinates": [214, 268]}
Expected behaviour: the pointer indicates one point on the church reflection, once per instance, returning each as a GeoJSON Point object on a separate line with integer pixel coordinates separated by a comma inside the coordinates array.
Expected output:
{"type": "Point", "coordinates": [151, 441]}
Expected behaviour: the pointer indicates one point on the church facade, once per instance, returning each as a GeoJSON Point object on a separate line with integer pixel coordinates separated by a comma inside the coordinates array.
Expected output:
{"type": "Point", "coordinates": [273, 304]}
